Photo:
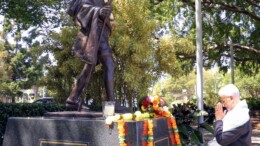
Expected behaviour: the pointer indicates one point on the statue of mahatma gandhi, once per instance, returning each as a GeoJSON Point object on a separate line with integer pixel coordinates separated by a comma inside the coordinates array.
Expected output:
{"type": "Point", "coordinates": [95, 20]}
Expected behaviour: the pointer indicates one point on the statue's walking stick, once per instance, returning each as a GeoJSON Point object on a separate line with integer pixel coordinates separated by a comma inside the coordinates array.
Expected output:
{"type": "Point", "coordinates": [104, 24]}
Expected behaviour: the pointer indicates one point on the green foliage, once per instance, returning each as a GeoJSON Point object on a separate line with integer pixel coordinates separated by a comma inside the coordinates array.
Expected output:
{"type": "Point", "coordinates": [169, 47]}
{"type": "Point", "coordinates": [248, 85]}
{"type": "Point", "coordinates": [186, 117]}
{"type": "Point", "coordinates": [27, 13]}
{"type": "Point", "coordinates": [24, 110]}
{"type": "Point", "coordinates": [61, 75]}
{"type": "Point", "coordinates": [140, 58]}
{"type": "Point", "coordinates": [150, 38]}
{"type": "Point", "coordinates": [132, 44]}
{"type": "Point", "coordinates": [22, 60]}
{"type": "Point", "coordinates": [20, 70]}
{"type": "Point", "coordinates": [172, 86]}
{"type": "Point", "coordinates": [253, 103]}
{"type": "Point", "coordinates": [222, 20]}
{"type": "Point", "coordinates": [132, 41]}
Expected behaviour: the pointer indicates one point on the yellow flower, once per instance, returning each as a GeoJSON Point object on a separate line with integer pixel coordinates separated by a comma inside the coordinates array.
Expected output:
{"type": "Point", "coordinates": [128, 116]}
{"type": "Point", "coordinates": [143, 108]}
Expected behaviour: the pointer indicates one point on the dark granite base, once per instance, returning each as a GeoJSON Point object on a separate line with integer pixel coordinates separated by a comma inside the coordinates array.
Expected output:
{"type": "Point", "coordinates": [75, 114]}
{"type": "Point", "coordinates": [62, 131]}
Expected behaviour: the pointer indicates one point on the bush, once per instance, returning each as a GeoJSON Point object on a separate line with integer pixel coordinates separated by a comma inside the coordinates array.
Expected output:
{"type": "Point", "coordinates": [24, 110]}
{"type": "Point", "coordinates": [253, 103]}
{"type": "Point", "coordinates": [186, 116]}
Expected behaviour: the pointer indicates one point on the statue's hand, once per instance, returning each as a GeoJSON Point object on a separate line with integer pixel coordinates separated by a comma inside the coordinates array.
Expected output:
{"type": "Point", "coordinates": [105, 11]}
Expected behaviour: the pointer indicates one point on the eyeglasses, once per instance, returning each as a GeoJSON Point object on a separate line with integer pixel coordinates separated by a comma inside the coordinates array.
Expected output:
{"type": "Point", "coordinates": [224, 99]}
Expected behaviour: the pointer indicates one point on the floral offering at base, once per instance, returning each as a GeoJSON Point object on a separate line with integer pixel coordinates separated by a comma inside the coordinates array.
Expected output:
{"type": "Point", "coordinates": [155, 106]}
{"type": "Point", "coordinates": [150, 108]}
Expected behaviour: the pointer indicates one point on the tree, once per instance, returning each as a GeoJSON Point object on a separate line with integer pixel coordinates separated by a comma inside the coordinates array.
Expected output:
{"type": "Point", "coordinates": [173, 87]}
{"type": "Point", "coordinates": [248, 85]}
{"type": "Point", "coordinates": [28, 13]}
{"type": "Point", "coordinates": [61, 75]}
{"type": "Point", "coordinates": [20, 70]}
{"type": "Point", "coordinates": [236, 20]}
{"type": "Point", "coordinates": [138, 56]}
{"type": "Point", "coordinates": [5, 70]}
{"type": "Point", "coordinates": [168, 49]}
{"type": "Point", "coordinates": [132, 44]}
{"type": "Point", "coordinates": [22, 57]}
{"type": "Point", "coordinates": [141, 58]}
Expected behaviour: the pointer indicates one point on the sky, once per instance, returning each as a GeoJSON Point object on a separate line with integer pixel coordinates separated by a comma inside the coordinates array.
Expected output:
{"type": "Point", "coordinates": [1, 22]}
{"type": "Point", "coordinates": [25, 33]}
{"type": "Point", "coordinates": [1, 27]}
{"type": "Point", "coordinates": [10, 39]}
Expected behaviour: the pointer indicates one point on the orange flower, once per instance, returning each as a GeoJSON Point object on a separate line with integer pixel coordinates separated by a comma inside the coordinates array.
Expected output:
{"type": "Point", "coordinates": [155, 102]}
{"type": "Point", "coordinates": [177, 138]}
{"type": "Point", "coordinates": [123, 144]}
{"type": "Point", "coordinates": [165, 114]}
{"type": "Point", "coordinates": [150, 143]}
{"type": "Point", "coordinates": [173, 139]}
{"type": "Point", "coordinates": [169, 124]}
{"type": "Point", "coordinates": [144, 143]}
{"type": "Point", "coordinates": [174, 125]}
{"type": "Point", "coordinates": [156, 107]}
{"type": "Point", "coordinates": [145, 128]}
{"type": "Point", "coordinates": [150, 132]}
{"type": "Point", "coordinates": [150, 127]}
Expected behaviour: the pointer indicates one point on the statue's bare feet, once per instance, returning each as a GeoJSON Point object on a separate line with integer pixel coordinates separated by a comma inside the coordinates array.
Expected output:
{"type": "Point", "coordinates": [121, 109]}
{"type": "Point", "coordinates": [76, 105]}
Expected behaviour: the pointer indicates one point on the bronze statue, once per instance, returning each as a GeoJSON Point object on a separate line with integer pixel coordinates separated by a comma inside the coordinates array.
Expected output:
{"type": "Point", "coordinates": [91, 45]}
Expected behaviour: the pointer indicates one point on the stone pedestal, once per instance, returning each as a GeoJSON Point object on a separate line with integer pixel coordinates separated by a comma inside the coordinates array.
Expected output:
{"type": "Point", "coordinates": [77, 131]}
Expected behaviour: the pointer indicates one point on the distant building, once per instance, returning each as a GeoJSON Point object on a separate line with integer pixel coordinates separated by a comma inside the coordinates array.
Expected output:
{"type": "Point", "coordinates": [29, 95]}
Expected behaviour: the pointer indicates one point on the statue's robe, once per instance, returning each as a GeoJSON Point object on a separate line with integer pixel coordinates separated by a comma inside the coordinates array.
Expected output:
{"type": "Point", "coordinates": [86, 14]}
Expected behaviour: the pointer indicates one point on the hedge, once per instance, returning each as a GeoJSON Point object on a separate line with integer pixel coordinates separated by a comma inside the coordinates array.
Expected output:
{"type": "Point", "coordinates": [24, 110]}
{"type": "Point", "coordinates": [253, 103]}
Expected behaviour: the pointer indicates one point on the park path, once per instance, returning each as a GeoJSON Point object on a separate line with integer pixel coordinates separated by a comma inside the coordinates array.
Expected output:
{"type": "Point", "coordinates": [255, 137]}
{"type": "Point", "coordinates": [255, 133]}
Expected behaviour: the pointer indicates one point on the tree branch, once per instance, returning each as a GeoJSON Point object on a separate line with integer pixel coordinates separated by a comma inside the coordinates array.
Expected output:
{"type": "Point", "coordinates": [253, 3]}
{"type": "Point", "coordinates": [238, 46]}
{"type": "Point", "coordinates": [248, 48]}
{"type": "Point", "coordinates": [233, 9]}
{"type": "Point", "coordinates": [185, 57]}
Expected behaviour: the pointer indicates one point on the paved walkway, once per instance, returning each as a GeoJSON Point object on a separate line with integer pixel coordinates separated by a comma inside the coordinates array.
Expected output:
{"type": "Point", "coordinates": [255, 137]}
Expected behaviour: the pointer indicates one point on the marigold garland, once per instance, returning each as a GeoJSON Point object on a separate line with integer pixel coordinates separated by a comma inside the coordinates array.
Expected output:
{"type": "Point", "coordinates": [173, 131]}
{"type": "Point", "coordinates": [122, 133]}
{"type": "Point", "coordinates": [147, 133]}
{"type": "Point", "coordinates": [150, 133]}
